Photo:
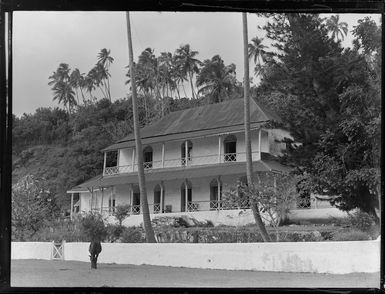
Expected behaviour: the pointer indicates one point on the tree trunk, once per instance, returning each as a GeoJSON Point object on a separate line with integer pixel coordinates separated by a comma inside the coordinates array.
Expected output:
{"type": "Point", "coordinates": [249, 163]}
{"type": "Point", "coordinates": [150, 237]}
{"type": "Point", "coordinates": [192, 85]}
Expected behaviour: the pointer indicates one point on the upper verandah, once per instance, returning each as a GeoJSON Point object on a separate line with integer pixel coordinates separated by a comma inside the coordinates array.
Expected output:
{"type": "Point", "coordinates": [203, 120]}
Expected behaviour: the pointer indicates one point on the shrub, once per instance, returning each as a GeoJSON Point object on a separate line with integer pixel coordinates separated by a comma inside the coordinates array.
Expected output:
{"type": "Point", "coordinates": [351, 235]}
{"type": "Point", "coordinates": [122, 212]}
{"type": "Point", "coordinates": [132, 235]}
{"type": "Point", "coordinates": [92, 227]}
{"type": "Point", "coordinates": [361, 221]}
{"type": "Point", "coordinates": [114, 232]}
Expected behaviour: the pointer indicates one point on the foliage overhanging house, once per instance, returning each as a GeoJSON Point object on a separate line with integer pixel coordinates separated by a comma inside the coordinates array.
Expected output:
{"type": "Point", "coordinates": [190, 157]}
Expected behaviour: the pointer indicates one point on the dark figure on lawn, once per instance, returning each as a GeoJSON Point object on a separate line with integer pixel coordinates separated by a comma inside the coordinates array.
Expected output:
{"type": "Point", "coordinates": [95, 249]}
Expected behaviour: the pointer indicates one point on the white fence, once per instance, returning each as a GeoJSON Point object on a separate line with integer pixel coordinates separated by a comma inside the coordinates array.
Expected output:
{"type": "Point", "coordinates": [313, 257]}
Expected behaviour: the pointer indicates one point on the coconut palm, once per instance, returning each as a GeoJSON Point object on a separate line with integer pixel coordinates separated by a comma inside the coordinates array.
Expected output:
{"type": "Point", "coordinates": [256, 51]}
{"type": "Point", "coordinates": [105, 60]}
{"type": "Point", "coordinates": [62, 88]}
{"type": "Point", "coordinates": [77, 82]}
{"type": "Point", "coordinates": [336, 28]}
{"type": "Point", "coordinates": [150, 237]}
{"type": "Point", "coordinates": [215, 80]}
{"type": "Point", "coordinates": [64, 93]}
{"type": "Point", "coordinates": [249, 162]}
{"type": "Point", "coordinates": [189, 65]}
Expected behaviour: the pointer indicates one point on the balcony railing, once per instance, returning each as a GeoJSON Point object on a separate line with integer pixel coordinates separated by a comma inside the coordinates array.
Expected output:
{"type": "Point", "coordinates": [181, 162]}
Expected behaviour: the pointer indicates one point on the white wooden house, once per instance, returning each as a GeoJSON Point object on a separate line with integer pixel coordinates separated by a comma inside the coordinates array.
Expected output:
{"type": "Point", "coordinates": [190, 157]}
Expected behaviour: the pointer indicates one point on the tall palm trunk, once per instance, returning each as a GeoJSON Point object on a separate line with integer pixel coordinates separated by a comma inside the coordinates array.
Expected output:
{"type": "Point", "coordinates": [150, 237]}
{"type": "Point", "coordinates": [192, 85]}
{"type": "Point", "coordinates": [249, 162]}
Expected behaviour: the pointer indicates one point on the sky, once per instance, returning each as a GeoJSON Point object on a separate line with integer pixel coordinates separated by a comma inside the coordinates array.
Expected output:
{"type": "Point", "coordinates": [43, 40]}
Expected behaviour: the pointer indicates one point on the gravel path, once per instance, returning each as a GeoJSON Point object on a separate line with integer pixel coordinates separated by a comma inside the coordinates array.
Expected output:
{"type": "Point", "coordinates": [41, 273]}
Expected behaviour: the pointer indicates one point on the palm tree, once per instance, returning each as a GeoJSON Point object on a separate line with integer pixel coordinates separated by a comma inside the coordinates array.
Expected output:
{"type": "Point", "coordinates": [189, 64]}
{"type": "Point", "coordinates": [249, 162]}
{"type": "Point", "coordinates": [105, 60]}
{"type": "Point", "coordinates": [76, 81]}
{"type": "Point", "coordinates": [177, 75]}
{"type": "Point", "coordinates": [256, 50]}
{"type": "Point", "coordinates": [62, 88]}
{"type": "Point", "coordinates": [64, 93]}
{"type": "Point", "coordinates": [215, 80]}
{"type": "Point", "coordinates": [150, 237]}
{"type": "Point", "coordinates": [336, 28]}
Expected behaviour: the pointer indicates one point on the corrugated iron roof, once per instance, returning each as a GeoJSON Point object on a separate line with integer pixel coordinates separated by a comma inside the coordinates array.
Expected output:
{"type": "Point", "coordinates": [230, 168]}
{"type": "Point", "coordinates": [210, 119]}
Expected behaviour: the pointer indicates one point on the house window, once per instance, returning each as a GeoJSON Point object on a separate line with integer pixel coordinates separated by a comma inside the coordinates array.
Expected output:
{"type": "Point", "coordinates": [230, 146]}
{"type": "Point", "coordinates": [185, 158]}
{"type": "Point", "coordinates": [147, 157]}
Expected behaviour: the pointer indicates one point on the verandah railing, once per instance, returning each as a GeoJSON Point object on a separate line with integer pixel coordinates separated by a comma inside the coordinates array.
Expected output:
{"type": "Point", "coordinates": [193, 206]}
{"type": "Point", "coordinates": [182, 162]}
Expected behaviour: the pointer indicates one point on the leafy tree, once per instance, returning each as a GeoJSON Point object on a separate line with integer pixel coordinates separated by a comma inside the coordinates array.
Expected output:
{"type": "Point", "coordinates": [274, 193]}
{"type": "Point", "coordinates": [32, 205]}
{"type": "Point", "coordinates": [121, 213]}
{"type": "Point", "coordinates": [329, 99]}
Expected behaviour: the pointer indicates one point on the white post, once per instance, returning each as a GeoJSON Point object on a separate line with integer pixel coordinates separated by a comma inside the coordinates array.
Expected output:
{"type": "Point", "coordinates": [131, 195]}
{"type": "Point", "coordinates": [105, 163]}
{"type": "Point", "coordinates": [161, 197]}
{"type": "Point", "coordinates": [133, 159]}
{"type": "Point", "coordinates": [186, 151]}
{"type": "Point", "coordinates": [219, 148]}
{"type": "Point", "coordinates": [219, 189]}
{"type": "Point", "coordinates": [117, 160]}
{"type": "Point", "coordinates": [162, 155]}
{"type": "Point", "coordinates": [72, 205]}
{"type": "Point", "coordinates": [101, 204]}
{"type": "Point", "coordinates": [185, 195]}
{"type": "Point", "coordinates": [259, 143]}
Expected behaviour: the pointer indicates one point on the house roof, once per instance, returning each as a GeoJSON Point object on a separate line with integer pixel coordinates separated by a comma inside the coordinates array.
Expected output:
{"type": "Point", "coordinates": [230, 168]}
{"type": "Point", "coordinates": [200, 121]}
{"type": "Point", "coordinates": [83, 187]}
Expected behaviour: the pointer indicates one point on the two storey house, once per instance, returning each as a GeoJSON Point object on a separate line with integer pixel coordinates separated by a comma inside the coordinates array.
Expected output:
{"type": "Point", "coordinates": [190, 158]}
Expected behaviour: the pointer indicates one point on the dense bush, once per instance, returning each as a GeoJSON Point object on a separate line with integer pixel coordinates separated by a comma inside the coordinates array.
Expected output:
{"type": "Point", "coordinates": [361, 220]}
{"type": "Point", "coordinates": [114, 232]}
{"type": "Point", "coordinates": [351, 235]}
{"type": "Point", "coordinates": [93, 228]}
{"type": "Point", "coordinates": [133, 235]}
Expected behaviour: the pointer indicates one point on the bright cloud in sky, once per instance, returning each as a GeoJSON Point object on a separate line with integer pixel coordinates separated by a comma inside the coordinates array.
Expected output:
{"type": "Point", "coordinates": [43, 40]}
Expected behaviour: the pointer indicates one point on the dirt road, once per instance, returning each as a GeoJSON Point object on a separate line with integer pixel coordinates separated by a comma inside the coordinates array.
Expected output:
{"type": "Point", "coordinates": [40, 273]}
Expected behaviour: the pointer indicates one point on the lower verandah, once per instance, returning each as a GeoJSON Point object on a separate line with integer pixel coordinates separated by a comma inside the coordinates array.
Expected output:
{"type": "Point", "coordinates": [195, 194]}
